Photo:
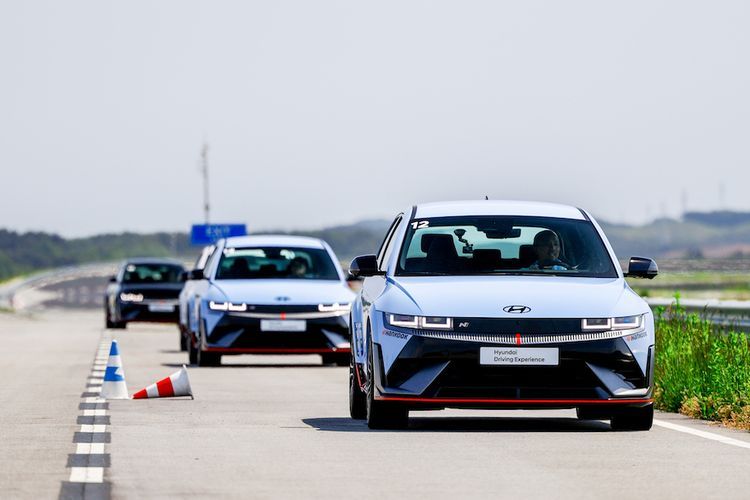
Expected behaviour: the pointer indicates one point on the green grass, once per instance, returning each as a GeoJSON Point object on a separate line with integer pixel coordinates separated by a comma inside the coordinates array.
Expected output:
{"type": "Point", "coordinates": [701, 370]}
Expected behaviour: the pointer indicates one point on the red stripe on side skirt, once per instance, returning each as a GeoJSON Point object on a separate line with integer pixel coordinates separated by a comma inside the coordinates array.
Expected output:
{"type": "Point", "coordinates": [165, 388]}
{"type": "Point", "coordinates": [517, 402]}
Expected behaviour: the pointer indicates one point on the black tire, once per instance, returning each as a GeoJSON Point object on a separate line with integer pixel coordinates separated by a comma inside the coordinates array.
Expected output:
{"type": "Point", "coordinates": [116, 325]}
{"type": "Point", "coordinates": [342, 360]}
{"type": "Point", "coordinates": [381, 414]}
{"type": "Point", "coordinates": [335, 359]}
{"type": "Point", "coordinates": [357, 398]}
{"type": "Point", "coordinates": [205, 358]}
{"type": "Point", "coordinates": [183, 340]}
{"type": "Point", "coordinates": [108, 322]}
{"type": "Point", "coordinates": [589, 413]}
{"type": "Point", "coordinates": [192, 350]}
{"type": "Point", "coordinates": [633, 419]}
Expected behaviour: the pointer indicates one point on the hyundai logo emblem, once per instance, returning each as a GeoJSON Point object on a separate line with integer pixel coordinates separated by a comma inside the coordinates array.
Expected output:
{"type": "Point", "coordinates": [282, 298]}
{"type": "Point", "coordinates": [516, 309]}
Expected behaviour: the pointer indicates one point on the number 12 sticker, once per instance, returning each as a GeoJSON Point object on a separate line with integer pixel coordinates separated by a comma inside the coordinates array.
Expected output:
{"type": "Point", "coordinates": [420, 224]}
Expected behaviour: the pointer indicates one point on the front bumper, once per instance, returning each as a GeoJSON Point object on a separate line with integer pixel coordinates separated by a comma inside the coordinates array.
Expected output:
{"type": "Point", "coordinates": [152, 312]}
{"type": "Point", "coordinates": [439, 373]}
{"type": "Point", "coordinates": [238, 333]}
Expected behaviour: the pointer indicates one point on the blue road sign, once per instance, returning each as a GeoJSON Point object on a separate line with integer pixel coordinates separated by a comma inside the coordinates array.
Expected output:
{"type": "Point", "coordinates": [206, 234]}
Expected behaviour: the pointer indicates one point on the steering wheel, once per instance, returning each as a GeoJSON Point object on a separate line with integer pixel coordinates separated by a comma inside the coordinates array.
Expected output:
{"type": "Point", "coordinates": [557, 262]}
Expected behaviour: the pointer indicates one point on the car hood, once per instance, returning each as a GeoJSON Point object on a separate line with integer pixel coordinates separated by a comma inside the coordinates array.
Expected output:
{"type": "Point", "coordinates": [284, 292]}
{"type": "Point", "coordinates": [486, 296]}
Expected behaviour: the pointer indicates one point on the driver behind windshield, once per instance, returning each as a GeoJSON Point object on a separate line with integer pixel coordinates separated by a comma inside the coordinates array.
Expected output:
{"type": "Point", "coordinates": [547, 248]}
{"type": "Point", "coordinates": [297, 268]}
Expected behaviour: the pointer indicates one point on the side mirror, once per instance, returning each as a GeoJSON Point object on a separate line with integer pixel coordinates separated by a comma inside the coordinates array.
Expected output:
{"type": "Point", "coordinates": [112, 279]}
{"type": "Point", "coordinates": [196, 274]}
{"type": "Point", "coordinates": [642, 267]}
{"type": "Point", "coordinates": [364, 266]}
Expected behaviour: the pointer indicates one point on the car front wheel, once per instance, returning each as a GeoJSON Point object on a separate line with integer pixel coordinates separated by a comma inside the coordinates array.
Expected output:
{"type": "Point", "coordinates": [633, 419]}
{"type": "Point", "coordinates": [183, 339]}
{"type": "Point", "coordinates": [382, 414]}
{"type": "Point", "coordinates": [204, 358]}
{"type": "Point", "coordinates": [357, 397]}
{"type": "Point", "coordinates": [192, 350]}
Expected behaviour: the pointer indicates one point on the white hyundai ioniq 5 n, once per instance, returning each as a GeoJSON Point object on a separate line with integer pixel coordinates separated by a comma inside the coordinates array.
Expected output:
{"type": "Point", "coordinates": [269, 294]}
{"type": "Point", "coordinates": [493, 304]}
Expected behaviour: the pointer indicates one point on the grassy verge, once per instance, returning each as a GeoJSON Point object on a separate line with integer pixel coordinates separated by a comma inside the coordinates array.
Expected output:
{"type": "Point", "coordinates": [702, 370]}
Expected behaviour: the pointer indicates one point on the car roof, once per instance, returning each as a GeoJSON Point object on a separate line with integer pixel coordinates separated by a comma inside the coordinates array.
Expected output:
{"type": "Point", "coordinates": [498, 207]}
{"type": "Point", "coordinates": [273, 240]}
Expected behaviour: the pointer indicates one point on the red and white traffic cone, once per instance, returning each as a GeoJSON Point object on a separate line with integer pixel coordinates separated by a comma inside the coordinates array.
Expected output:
{"type": "Point", "coordinates": [175, 385]}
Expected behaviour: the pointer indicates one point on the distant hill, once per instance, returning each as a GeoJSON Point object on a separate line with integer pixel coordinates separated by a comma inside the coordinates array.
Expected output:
{"type": "Point", "coordinates": [22, 253]}
{"type": "Point", "coordinates": [351, 240]}
{"type": "Point", "coordinates": [724, 218]}
{"type": "Point", "coordinates": [700, 234]}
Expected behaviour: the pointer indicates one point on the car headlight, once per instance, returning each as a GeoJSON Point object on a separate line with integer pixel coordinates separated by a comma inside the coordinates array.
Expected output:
{"type": "Point", "coordinates": [335, 307]}
{"type": "Point", "coordinates": [131, 297]}
{"type": "Point", "coordinates": [620, 323]}
{"type": "Point", "coordinates": [227, 306]}
{"type": "Point", "coordinates": [421, 322]}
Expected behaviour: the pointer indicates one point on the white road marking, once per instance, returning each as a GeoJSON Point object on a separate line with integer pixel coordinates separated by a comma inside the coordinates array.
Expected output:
{"type": "Point", "coordinates": [89, 448]}
{"type": "Point", "coordinates": [96, 428]}
{"type": "Point", "coordinates": [94, 413]}
{"type": "Point", "coordinates": [703, 434]}
{"type": "Point", "coordinates": [87, 474]}
{"type": "Point", "coordinates": [93, 385]}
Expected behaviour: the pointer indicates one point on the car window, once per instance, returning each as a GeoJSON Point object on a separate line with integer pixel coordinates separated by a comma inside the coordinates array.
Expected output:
{"type": "Point", "coordinates": [470, 245]}
{"type": "Point", "coordinates": [276, 263]}
{"type": "Point", "coordinates": [151, 273]}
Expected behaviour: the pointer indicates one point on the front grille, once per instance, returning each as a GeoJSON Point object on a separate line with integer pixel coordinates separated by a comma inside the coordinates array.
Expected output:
{"type": "Point", "coordinates": [290, 315]}
{"type": "Point", "coordinates": [525, 339]}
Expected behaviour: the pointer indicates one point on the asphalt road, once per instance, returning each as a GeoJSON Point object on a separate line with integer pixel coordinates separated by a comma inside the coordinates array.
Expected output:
{"type": "Point", "coordinates": [278, 427]}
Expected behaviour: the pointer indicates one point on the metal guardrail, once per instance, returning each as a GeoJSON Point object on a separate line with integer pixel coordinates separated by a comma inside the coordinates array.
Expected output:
{"type": "Point", "coordinates": [726, 307]}
{"type": "Point", "coordinates": [12, 292]}
{"type": "Point", "coordinates": [733, 314]}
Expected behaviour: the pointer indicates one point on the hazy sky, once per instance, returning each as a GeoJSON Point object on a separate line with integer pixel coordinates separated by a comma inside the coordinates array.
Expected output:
{"type": "Point", "coordinates": [320, 112]}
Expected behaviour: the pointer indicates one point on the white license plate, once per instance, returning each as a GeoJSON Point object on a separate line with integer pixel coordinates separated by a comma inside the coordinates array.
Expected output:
{"type": "Point", "coordinates": [519, 356]}
{"type": "Point", "coordinates": [283, 325]}
{"type": "Point", "coordinates": [161, 308]}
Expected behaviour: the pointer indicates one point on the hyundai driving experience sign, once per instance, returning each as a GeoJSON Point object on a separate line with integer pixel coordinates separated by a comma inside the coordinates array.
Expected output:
{"type": "Point", "coordinates": [207, 234]}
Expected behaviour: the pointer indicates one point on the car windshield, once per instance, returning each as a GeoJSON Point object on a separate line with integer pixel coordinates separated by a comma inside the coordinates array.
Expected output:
{"type": "Point", "coordinates": [476, 245]}
{"type": "Point", "coordinates": [276, 263]}
{"type": "Point", "coordinates": [152, 273]}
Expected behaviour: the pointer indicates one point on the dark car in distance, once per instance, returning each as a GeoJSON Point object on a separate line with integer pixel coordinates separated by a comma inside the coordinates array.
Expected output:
{"type": "Point", "coordinates": [145, 289]}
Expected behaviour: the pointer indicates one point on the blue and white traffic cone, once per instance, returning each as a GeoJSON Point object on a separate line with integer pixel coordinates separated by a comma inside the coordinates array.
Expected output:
{"type": "Point", "coordinates": [114, 386]}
